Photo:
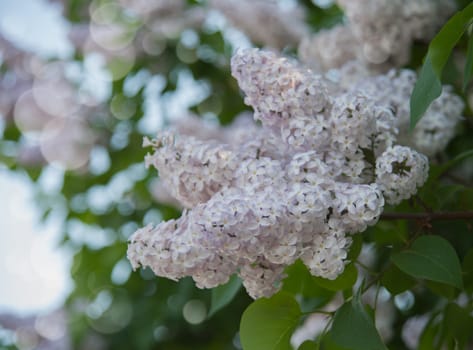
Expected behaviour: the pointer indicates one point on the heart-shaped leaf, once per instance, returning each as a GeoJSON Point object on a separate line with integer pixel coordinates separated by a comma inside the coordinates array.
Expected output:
{"type": "Point", "coordinates": [432, 258]}
{"type": "Point", "coordinates": [354, 329]}
{"type": "Point", "coordinates": [267, 324]}
{"type": "Point", "coordinates": [224, 294]}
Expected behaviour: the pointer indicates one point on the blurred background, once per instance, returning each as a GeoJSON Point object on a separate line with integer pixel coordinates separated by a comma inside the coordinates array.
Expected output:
{"type": "Point", "coordinates": [81, 83]}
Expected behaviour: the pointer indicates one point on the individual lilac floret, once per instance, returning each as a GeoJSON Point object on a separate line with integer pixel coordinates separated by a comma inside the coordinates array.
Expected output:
{"type": "Point", "coordinates": [399, 172]}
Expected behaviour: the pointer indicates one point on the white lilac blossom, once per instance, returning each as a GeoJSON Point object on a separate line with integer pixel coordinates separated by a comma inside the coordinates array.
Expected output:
{"type": "Point", "coordinates": [265, 22]}
{"type": "Point", "coordinates": [378, 33]}
{"type": "Point", "coordinates": [392, 91]}
{"type": "Point", "coordinates": [192, 170]}
{"type": "Point", "coordinates": [329, 48]}
{"type": "Point", "coordinates": [255, 206]}
{"type": "Point", "coordinates": [399, 172]}
{"type": "Point", "coordinates": [437, 128]}
{"type": "Point", "coordinates": [161, 194]}
{"type": "Point", "coordinates": [276, 88]}
{"type": "Point", "coordinates": [412, 330]}
{"type": "Point", "coordinates": [242, 133]}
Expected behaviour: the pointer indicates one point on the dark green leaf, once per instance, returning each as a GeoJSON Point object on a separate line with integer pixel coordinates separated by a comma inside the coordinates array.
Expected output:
{"type": "Point", "coordinates": [444, 42]}
{"type": "Point", "coordinates": [308, 345]}
{"type": "Point", "coordinates": [467, 268]}
{"type": "Point", "coordinates": [396, 281]}
{"type": "Point", "coordinates": [432, 258]}
{"type": "Point", "coordinates": [459, 323]}
{"type": "Point", "coordinates": [439, 170]}
{"type": "Point", "coordinates": [355, 248]}
{"type": "Point", "coordinates": [354, 329]}
{"type": "Point", "coordinates": [300, 281]}
{"type": "Point", "coordinates": [468, 71]}
{"type": "Point", "coordinates": [441, 289]}
{"type": "Point", "coordinates": [329, 344]}
{"type": "Point", "coordinates": [428, 86]}
{"type": "Point", "coordinates": [224, 294]}
{"type": "Point", "coordinates": [267, 324]}
{"type": "Point", "coordinates": [446, 196]}
{"type": "Point", "coordinates": [390, 233]}
{"type": "Point", "coordinates": [430, 336]}
{"type": "Point", "coordinates": [346, 280]}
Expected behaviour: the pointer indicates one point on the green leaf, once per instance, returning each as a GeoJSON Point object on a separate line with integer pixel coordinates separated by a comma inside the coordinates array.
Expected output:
{"type": "Point", "coordinates": [346, 280]}
{"type": "Point", "coordinates": [354, 329]}
{"type": "Point", "coordinates": [467, 268]}
{"type": "Point", "coordinates": [355, 248]}
{"type": "Point", "coordinates": [224, 294]}
{"type": "Point", "coordinates": [446, 196]}
{"type": "Point", "coordinates": [431, 258]}
{"type": "Point", "coordinates": [300, 281]}
{"type": "Point", "coordinates": [439, 170]}
{"type": "Point", "coordinates": [444, 42]}
{"type": "Point", "coordinates": [468, 70]}
{"type": "Point", "coordinates": [430, 336]}
{"type": "Point", "coordinates": [428, 86]}
{"type": "Point", "coordinates": [308, 345]}
{"type": "Point", "coordinates": [267, 324]}
{"type": "Point", "coordinates": [441, 289]}
{"type": "Point", "coordinates": [459, 323]}
{"type": "Point", "coordinates": [396, 281]}
{"type": "Point", "coordinates": [329, 344]}
{"type": "Point", "coordinates": [389, 233]}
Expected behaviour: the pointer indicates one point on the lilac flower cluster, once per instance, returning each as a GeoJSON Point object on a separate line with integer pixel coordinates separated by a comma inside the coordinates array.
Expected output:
{"type": "Point", "coordinates": [379, 33]}
{"type": "Point", "coordinates": [315, 173]}
{"type": "Point", "coordinates": [393, 90]}
{"type": "Point", "coordinates": [265, 22]}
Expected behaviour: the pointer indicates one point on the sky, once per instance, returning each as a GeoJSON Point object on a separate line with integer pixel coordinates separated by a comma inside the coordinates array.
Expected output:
{"type": "Point", "coordinates": [35, 25]}
{"type": "Point", "coordinates": [34, 273]}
